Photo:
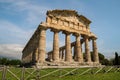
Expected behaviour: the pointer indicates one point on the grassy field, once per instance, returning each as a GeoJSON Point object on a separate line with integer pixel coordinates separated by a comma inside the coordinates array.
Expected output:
{"type": "Point", "coordinates": [61, 74]}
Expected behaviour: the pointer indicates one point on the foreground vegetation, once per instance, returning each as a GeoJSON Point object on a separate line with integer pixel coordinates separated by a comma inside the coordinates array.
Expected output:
{"type": "Point", "coordinates": [61, 74]}
{"type": "Point", "coordinates": [106, 73]}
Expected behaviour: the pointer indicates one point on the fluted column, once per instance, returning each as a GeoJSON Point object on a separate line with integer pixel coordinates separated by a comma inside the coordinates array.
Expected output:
{"type": "Point", "coordinates": [42, 46]}
{"type": "Point", "coordinates": [87, 51]}
{"type": "Point", "coordinates": [60, 54]}
{"type": "Point", "coordinates": [56, 46]}
{"type": "Point", "coordinates": [50, 56]}
{"type": "Point", "coordinates": [68, 56]}
{"type": "Point", "coordinates": [75, 56]}
{"type": "Point", "coordinates": [34, 55]}
{"type": "Point", "coordinates": [35, 51]}
{"type": "Point", "coordinates": [78, 48]}
{"type": "Point", "coordinates": [63, 55]}
{"type": "Point", "coordinates": [95, 51]}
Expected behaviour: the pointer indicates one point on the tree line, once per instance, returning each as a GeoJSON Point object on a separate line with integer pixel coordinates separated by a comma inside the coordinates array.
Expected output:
{"type": "Point", "coordinates": [5, 61]}
{"type": "Point", "coordinates": [116, 60]}
{"type": "Point", "coordinates": [105, 61]}
{"type": "Point", "coordinates": [102, 59]}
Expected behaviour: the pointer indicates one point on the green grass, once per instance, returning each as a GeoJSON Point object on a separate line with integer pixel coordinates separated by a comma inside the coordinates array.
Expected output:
{"type": "Point", "coordinates": [75, 75]}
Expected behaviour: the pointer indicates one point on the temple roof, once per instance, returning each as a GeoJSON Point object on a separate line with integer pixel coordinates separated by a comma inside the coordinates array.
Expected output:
{"type": "Point", "coordinates": [67, 13]}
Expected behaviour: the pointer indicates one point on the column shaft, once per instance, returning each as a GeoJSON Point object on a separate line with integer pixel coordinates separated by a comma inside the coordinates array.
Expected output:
{"type": "Point", "coordinates": [56, 46]}
{"type": "Point", "coordinates": [42, 46]}
{"type": "Point", "coordinates": [60, 54]}
{"type": "Point", "coordinates": [68, 56]}
{"type": "Point", "coordinates": [63, 55]}
{"type": "Point", "coordinates": [50, 56]}
{"type": "Point", "coordinates": [87, 51]}
{"type": "Point", "coordinates": [78, 48]}
{"type": "Point", "coordinates": [75, 54]}
{"type": "Point", "coordinates": [95, 52]}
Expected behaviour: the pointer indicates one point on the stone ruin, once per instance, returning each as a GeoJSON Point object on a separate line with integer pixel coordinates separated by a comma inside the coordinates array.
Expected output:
{"type": "Point", "coordinates": [68, 22]}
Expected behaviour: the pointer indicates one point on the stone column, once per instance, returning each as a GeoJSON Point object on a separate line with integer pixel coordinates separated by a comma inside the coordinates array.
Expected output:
{"type": "Point", "coordinates": [75, 50]}
{"type": "Point", "coordinates": [50, 56]}
{"type": "Point", "coordinates": [60, 54]}
{"type": "Point", "coordinates": [95, 51]}
{"type": "Point", "coordinates": [78, 49]}
{"type": "Point", "coordinates": [33, 56]}
{"type": "Point", "coordinates": [68, 56]}
{"type": "Point", "coordinates": [87, 51]}
{"type": "Point", "coordinates": [35, 51]}
{"type": "Point", "coordinates": [56, 46]}
{"type": "Point", "coordinates": [81, 46]}
{"type": "Point", "coordinates": [42, 46]}
{"type": "Point", "coordinates": [63, 55]}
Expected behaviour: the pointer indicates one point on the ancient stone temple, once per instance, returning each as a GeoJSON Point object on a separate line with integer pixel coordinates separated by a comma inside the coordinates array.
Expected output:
{"type": "Point", "coordinates": [68, 22]}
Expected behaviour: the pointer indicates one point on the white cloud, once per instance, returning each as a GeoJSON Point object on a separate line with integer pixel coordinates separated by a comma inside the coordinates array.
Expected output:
{"type": "Point", "coordinates": [8, 29]}
{"type": "Point", "coordinates": [11, 50]}
{"type": "Point", "coordinates": [33, 13]}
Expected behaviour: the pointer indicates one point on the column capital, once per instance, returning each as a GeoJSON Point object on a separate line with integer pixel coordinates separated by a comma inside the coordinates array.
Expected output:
{"type": "Point", "coordinates": [93, 38]}
{"type": "Point", "coordinates": [55, 30]}
{"type": "Point", "coordinates": [66, 32]}
{"type": "Point", "coordinates": [85, 36]}
{"type": "Point", "coordinates": [76, 34]}
{"type": "Point", "coordinates": [40, 27]}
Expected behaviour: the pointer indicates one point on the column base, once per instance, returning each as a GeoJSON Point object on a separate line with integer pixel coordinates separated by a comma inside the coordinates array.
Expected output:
{"type": "Point", "coordinates": [65, 64]}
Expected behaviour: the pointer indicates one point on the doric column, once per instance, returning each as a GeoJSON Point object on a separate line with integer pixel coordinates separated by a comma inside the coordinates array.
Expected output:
{"type": "Point", "coordinates": [60, 54]}
{"type": "Point", "coordinates": [50, 56]}
{"type": "Point", "coordinates": [42, 46]}
{"type": "Point", "coordinates": [35, 55]}
{"type": "Point", "coordinates": [95, 51]}
{"type": "Point", "coordinates": [56, 46]}
{"type": "Point", "coordinates": [68, 56]}
{"type": "Point", "coordinates": [78, 49]}
{"type": "Point", "coordinates": [63, 55]}
{"type": "Point", "coordinates": [87, 51]}
{"type": "Point", "coordinates": [35, 51]}
{"type": "Point", "coordinates": [75, 50]}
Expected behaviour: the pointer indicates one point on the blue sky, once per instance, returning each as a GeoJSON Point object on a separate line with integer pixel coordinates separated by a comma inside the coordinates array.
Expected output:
{"type": "Point", "coordinates": [20, 18]}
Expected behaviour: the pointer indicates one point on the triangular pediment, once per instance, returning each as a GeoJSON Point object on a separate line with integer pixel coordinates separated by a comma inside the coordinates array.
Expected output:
{"type": "Point", "coordinates": [69, 15]}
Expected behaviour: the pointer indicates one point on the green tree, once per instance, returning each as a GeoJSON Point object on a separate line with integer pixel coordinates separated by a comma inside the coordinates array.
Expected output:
{"type": "Point", "coordinates": [116, 62]}
{"type": "Point", "coordinates": [102, 59]}
{"type": "Point", "coordinates": [5, 61]}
